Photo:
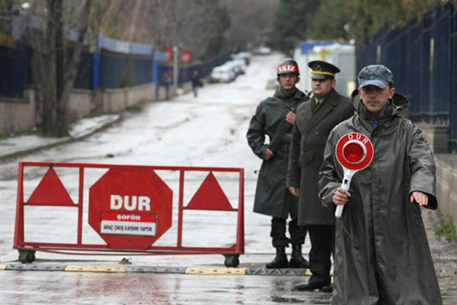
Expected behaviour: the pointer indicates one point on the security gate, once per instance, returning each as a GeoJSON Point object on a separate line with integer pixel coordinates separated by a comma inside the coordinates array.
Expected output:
{"type": "Point", "coordinates": [114, 209]}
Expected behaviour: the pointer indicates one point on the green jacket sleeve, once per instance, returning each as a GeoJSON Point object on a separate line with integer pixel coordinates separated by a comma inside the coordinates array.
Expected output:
{"type": "Point", "coordinates": [256, 132]}
{"type": "Point", "coordinates": [422, 167]}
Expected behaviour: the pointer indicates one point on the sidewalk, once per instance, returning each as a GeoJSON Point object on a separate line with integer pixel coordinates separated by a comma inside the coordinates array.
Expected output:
{"type": "Point", "coordinates": [444, 255]}
{"type": "Point", "coordinates": [18, 145]}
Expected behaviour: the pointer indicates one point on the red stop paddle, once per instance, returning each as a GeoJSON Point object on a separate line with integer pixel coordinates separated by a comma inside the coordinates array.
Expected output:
{"type": "Point", "coordinates": [354, 152]}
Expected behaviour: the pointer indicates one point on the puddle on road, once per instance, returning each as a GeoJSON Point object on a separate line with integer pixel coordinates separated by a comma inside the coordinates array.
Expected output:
{"type": "Point", "coordinates": [315, 297]}
{"type": "Point", "coordinates": [285, 300]}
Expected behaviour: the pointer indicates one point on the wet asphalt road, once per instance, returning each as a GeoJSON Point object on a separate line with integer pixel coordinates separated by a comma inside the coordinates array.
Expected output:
{"type": "Point", "coordinates": [105, 288]}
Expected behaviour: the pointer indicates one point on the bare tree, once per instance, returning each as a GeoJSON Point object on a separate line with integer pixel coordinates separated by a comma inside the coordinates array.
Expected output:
{"type": "Point", "coordinates": [53, 72]}
{"type": "Point", "coordinates": [206, 27]}
{"type": "Point", "coordinates": [196, 25]}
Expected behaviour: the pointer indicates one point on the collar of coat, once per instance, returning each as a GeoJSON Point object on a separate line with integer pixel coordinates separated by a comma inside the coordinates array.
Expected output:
{"type": "Point", "coordinates": [398, 103]}
{"type": "Point", "coordinates": [312, 119]}
{"type": "Point", "coordinates": [328, 99]}
{"type": "Point", "coordinates": [297, 96]}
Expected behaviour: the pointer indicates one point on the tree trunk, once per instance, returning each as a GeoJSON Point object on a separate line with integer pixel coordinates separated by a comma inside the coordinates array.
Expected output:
{"type": "Point", "coordinates": [54, 76]}
{"type": "Point", "coordinates": [60, 118]}
{"type": "Point", "coordinates": [71, 69]}
{"type": "Point", "coordinates": [48, 79]}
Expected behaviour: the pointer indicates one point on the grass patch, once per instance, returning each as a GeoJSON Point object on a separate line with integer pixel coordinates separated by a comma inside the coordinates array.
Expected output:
{"type": "Point", "coordinates": [4, 136]}
{"type": "Point", "coordinates": [17, 134]}
{"type": "Point", "coordinates": [446, 227]}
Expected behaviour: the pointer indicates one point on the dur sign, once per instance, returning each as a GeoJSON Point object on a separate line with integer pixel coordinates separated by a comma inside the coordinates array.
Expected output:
{"type": "Point", "coordinates": [354, 152]}
{"type": "Point", "coordinates": [130, 207]}
{"type": "Point", "coordinates": [130, 202]}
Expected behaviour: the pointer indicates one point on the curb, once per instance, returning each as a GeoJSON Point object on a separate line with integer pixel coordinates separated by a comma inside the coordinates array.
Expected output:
{"type": "Point", "coordinates": [146, 269]}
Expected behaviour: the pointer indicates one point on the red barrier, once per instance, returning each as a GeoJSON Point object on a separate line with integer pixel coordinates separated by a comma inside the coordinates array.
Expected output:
{"type": "Point", "coordinates": [129, 207]}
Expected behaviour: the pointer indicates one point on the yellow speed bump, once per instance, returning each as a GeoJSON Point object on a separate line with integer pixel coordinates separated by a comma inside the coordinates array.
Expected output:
{"type": "Point", "coordinates": [213, 271]}
{"type": "Point", "coordinates": [2, 266]}
{"type": "Point", "coordinates": [308, 272]}
{"type": "Point", "coordinates": [95, 268]}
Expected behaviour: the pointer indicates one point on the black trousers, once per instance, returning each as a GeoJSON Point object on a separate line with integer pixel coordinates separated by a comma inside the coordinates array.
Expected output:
{"type": "Point", "coordinates": [279, 228]}
{"type": "Point", "coordinates": [322, 246]}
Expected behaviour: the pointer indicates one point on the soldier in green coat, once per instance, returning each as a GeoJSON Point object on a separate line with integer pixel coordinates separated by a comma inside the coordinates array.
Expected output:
{"type": "Point", "coordinates": [274, 118]}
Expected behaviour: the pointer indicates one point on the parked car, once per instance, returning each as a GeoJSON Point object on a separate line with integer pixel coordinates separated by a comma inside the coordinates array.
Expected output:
{"type": "Point", "coordinates": [222, 74]}
{"type": "Point", "coordinates": [238, 66]}
{"type": "Point", "coordinates": [262, 51]}
{"type": "Point", "coordinates": [241, 63]}
{"type": "Point", "coordinates": [246, 56]}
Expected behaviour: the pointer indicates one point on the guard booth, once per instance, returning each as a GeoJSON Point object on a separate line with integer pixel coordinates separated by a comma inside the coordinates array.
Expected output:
{"type": "Point", "coordinates": [339, 54]}
{"type": "Point", "coordinates": [75, 208]}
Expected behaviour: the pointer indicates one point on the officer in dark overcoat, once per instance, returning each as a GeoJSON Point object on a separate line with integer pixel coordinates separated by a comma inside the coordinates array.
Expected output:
{"type": "Point", "coordinates": [273, 119]}
{"type": "Point", "coordinates": [314, 120]}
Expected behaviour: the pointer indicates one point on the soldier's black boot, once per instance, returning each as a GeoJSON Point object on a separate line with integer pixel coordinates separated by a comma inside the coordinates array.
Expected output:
{"type": "Point", "coordinates": [280, 261]}
{"type": "Point", "coordinates": [297, 260]}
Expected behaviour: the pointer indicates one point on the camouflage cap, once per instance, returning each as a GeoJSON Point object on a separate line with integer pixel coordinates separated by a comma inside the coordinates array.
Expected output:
{"type": "Point", "coordinates": [376, 75]}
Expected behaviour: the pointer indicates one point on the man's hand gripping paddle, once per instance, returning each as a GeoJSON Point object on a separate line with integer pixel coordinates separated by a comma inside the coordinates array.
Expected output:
{"type": "Point", "coordinates": [354, 152]}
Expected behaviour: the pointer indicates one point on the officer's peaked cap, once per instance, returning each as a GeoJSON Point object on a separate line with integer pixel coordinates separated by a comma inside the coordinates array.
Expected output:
{"type": "Point", "coordinates": [322, 70]}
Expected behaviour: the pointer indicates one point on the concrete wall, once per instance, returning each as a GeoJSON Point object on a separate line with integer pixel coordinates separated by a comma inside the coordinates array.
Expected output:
{"type": "Point", "coordinates": [18, 114]}
{"type": "Point", "coordinates": [80, 104]}
{"type": "Point", "coordinates": [437, 136]}
{"type": "Point", "coordinates": [446, 186]}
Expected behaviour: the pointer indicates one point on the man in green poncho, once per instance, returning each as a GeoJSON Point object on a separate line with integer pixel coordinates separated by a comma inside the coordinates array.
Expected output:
{"type": "Point", "coordinates": [382, 254]}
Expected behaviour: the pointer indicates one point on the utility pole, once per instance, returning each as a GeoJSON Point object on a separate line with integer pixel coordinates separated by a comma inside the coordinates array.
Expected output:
{"type": "Point", "coordinates": [175, 66]}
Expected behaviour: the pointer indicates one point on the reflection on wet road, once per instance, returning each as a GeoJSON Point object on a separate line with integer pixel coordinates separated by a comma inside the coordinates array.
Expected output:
{"type": "Point", "coordinates": [140, 288]}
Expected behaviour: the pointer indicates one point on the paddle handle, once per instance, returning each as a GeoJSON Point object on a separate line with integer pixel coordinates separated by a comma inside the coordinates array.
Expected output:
{"type": "Point", "coordinates": [345, 186]}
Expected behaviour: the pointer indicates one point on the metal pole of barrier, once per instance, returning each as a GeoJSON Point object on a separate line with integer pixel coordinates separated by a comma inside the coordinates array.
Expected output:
{"type": "Point", "coordinates": [80, 205]}
{"type": "Point", "coordinates": [180, 207]}
{"type": "Point", "coordinates": [19, 229]}
{"type": "Point", "coordinates": [240, 235]}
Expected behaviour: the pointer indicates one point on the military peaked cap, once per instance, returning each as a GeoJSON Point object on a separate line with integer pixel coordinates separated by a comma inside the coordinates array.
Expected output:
{"type": "Point", "coordinates": [322, 70]}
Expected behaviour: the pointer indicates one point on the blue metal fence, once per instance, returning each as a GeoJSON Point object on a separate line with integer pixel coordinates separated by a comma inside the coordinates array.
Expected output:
{"type": "Point", "coordinates": [422, 57]}
{"type": "Point", "coordinates": [84, 78]}
{"type": "Point", "coordinates": [123, 71]}
{"type": "Point", "coordinates": [186, 72]}
{"type": "Point", "coordinates": [115, 64]}
{"type": "Point", "coordinates": [14, 70]}
{"type": "Point", "coordinates": [96, 70]}
{"type": "Point", "coordinates": [453, 84]}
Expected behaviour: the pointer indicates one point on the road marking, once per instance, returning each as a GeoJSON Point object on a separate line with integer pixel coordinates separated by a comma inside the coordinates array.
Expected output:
{"type": "Point", "coordinates": [216, 271]}
{"type": "Point", "coordinates": [95, 268]}
{"type": "Point", "coordinates": [121, 269]}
